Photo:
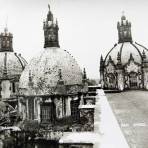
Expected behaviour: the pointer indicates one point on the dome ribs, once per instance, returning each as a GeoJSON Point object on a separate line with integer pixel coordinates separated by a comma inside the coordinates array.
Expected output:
{"type": "Point", "coordinates": [23, 66]}
{"type": "Point", "coordinates": [137, 50]}
{"type": "Point", "coordinates": [121, 51]}
{"type": "Point", "coordinates": [5, 74]}
{"type": "Point", "coordinates": [141, 46]}
{"type": "Point", "coordinates": [109, 52]}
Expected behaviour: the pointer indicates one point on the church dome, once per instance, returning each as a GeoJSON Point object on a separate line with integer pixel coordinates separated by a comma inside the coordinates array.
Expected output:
{"type": "Point", "coordinates": [125, 65]}
{"type": "Point", "coordinates": [126, 50]}
{"type": "Point", "coordinates": [44, 70]}
{"type": "Point", "coordinates": [11, 63]}
{"type": "Point", "coordinates": [52, 67]}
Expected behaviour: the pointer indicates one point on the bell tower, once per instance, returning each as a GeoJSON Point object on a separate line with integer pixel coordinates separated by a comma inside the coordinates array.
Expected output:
{"type": "Point", "coordinates": [6, 41]}
{"type": "Point", "coordinates": [50, 31]}
{"type": "Point", "coordinates": [124, 30]}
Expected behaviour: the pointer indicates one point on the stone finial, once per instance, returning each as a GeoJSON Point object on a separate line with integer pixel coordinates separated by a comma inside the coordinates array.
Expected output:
{"type": "Point", "coordinates": [123, 16]}
{"type": "Point", "coordinates": [143, 55]}
{"type": "Point", "coordinates": [101, 59]}
{"type": "Point", "coordinates": [131, 57]}
{"type": "Point", "coordinates": [60, 81]}
{"type": "Point", "coordinates": [118, 56]}
{"type": "Point", "coordinates": [60, 74]}
{"type": "Point", "coordinates": [49, 7]}
{"type": "Point", "coordinates": [84, 74]}
{"type": "Point", "coordinates": [30, 77]}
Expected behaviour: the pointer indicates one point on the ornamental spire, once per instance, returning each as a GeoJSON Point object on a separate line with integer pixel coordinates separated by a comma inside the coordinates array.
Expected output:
{"type": "Point", "coordinates": [50, 31]}
{"type": "Point", "coordinates": [60, 81]}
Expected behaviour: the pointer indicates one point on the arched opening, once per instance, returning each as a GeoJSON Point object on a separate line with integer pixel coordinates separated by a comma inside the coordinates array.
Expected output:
{"type": "Point", "coordinates": [75, 109]}
{"type": "Point", "coordinates": [133, 80]}
{"type": "Point", "coordinates": [111, 81]}
{"type": "Point", "coordinates": [13, 87]}
{"type": "Point", "coordinates": [47, 112]}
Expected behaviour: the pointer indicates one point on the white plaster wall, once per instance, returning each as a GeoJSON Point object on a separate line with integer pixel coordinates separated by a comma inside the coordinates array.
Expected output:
{"type": "Point", "coordinates": [5, 92]}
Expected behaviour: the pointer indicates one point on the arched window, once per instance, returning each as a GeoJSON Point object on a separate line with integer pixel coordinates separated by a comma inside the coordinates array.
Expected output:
{"type": "Point", "coordinates": [111, 81]}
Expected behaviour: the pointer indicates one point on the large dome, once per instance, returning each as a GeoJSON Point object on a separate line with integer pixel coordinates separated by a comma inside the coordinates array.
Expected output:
{"type": "Point", "coordinates": [44, 70]}
{"type": "Point", "coordinates": [53, 68]}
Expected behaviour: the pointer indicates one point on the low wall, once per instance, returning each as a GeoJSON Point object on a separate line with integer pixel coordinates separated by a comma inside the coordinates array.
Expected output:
{"type": "Point", "coordinates": [112, 136]}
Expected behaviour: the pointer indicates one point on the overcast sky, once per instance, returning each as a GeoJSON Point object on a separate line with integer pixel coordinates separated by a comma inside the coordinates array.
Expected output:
{"type": "Point", "coordinates": [87, 28]}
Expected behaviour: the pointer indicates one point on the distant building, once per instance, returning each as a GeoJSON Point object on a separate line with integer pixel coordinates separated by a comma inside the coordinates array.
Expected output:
{"type": "Point", "coordinates": [52, 84]}
{"type": "Point", "coordinates": [126, 65]}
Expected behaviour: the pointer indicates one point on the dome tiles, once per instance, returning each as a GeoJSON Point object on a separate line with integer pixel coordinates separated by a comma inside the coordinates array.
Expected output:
{"type": "Point", "coordinates": [44, 70]}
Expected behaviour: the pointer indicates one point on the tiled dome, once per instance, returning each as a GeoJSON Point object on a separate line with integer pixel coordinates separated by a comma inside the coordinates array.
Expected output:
{"type": "Point", "coordinates": [44, 70]}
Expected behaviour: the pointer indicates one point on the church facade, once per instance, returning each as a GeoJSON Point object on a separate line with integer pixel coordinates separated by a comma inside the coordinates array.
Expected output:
{"type": "Point", "coordinates": [126, 64]}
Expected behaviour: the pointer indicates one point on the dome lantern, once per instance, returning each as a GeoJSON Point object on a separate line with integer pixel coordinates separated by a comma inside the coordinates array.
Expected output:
{"type": "Point", "coordinates": [124, 30]}
{"type": "Point", "coordinates": [50, 31]}
{"type": "Point", "coordinates": [6, 41]}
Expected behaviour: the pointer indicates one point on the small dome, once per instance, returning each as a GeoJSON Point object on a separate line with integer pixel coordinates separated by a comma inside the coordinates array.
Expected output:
{"type": "Point", "coordinates": [44, 71]}
{"type": "Point", "coordinates": [13, 64]}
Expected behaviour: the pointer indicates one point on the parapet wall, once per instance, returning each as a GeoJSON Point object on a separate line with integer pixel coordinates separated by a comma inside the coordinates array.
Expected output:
{"type": "Point", "coordinates": [106, 134]}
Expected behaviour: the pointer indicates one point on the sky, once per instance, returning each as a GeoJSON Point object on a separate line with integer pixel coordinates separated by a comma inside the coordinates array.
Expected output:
{"type": "Point", "coordinates": [87, 28]}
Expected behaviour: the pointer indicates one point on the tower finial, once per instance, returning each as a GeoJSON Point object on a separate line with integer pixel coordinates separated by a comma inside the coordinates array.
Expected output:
{"type": "Point", "coordinates": [48, 6]}
{"type": "Point", "coordinates": [30, 77]}
{"type": "Point", "coordinates": [101, 59]}
{"type": "Point", "coordinates": [6, 27]}
{"type": "Point", "coordinates": [123, 12]}
{"type": "Point", "coordinates": [6, 24]}
{"type": "Point", "coordinates": [123, 16]}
